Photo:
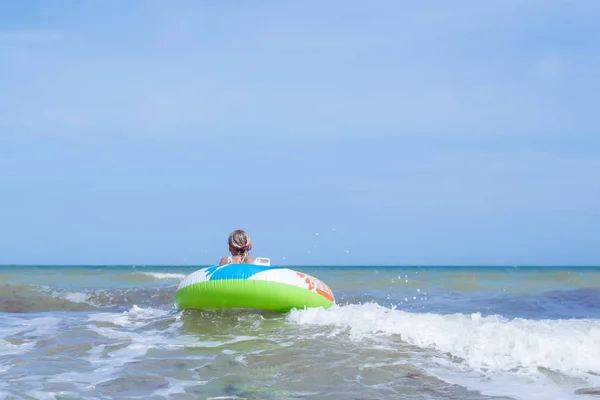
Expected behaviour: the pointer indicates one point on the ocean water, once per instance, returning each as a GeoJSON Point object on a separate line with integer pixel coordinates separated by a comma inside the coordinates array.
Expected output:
{"type": "Point", "coordinates": [98, 332]}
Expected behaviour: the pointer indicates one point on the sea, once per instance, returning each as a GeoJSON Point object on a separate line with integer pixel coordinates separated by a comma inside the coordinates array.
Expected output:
{"type": "Point", "coordinates": [113, 332]}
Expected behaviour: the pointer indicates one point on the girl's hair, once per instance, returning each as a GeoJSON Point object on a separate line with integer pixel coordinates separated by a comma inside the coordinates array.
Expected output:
{"type": "Point", "coordinates": [239, 241]}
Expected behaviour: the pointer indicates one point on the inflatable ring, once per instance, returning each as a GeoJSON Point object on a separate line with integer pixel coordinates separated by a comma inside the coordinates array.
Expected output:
{"type": "Point", "coordinates": [251, 286]}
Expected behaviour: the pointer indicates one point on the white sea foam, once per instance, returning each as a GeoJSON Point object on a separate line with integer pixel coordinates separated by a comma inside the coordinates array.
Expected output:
{"type": "Point", "coordinates": [130, 330]}
{"type": "Point", "coordinates": [485, 343]}
{"type": "Point", "coordinates": [164, 275]}
{"type": "Point", "coordinates": [7, 348]}
{"type": "Point", "coordinates": [122, 327]}
{"type": "Point", "coordinates": [138, 317]}
{"type": "Point", "coordinates": [77, 297]}
{"type": "Point", "coordinates": [135, 317]}
{"type": "Point", "coordinates": [30, 329]}
{"type": "Point", "coordinates": [224, 398]}
{"type": "Point", "coordinates": [175, 387]}
{"type": "Point", "coordinates": [493, 347]}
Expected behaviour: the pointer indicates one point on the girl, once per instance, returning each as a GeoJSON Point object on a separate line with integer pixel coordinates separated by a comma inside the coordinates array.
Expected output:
{"type": "Point", "coordinates": [239, 247]}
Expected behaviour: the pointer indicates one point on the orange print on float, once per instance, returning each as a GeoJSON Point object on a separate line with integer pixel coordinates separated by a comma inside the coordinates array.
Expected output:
{"type": "Point", "coordinates": [309, 280]}
{"type": "Point", "coordinates": [324, 291]}
{"type": "Point", "coordinates": [320, 287]}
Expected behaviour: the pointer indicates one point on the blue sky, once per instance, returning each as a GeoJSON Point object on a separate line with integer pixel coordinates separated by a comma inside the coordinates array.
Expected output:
{"type": "Point", "coordinates": [339, 132]}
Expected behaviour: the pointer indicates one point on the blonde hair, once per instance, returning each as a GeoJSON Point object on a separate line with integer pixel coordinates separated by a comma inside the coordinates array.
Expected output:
{"type": "Point", "coordinates": [239, 243]}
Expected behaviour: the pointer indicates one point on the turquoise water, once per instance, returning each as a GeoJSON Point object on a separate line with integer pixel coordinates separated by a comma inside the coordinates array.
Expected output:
{"type": "Point", "coordinates": [105, 332]}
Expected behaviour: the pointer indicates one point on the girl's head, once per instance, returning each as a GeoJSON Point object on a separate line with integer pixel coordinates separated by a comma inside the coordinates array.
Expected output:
{"type": "Point", "coordinates": [239, 244]}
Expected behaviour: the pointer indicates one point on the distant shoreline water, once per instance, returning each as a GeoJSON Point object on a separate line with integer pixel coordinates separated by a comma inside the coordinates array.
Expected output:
{"type": "Point", "coordinates": [305, 265]}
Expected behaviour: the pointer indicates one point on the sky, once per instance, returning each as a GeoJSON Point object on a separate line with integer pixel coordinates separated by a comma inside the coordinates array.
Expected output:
{"type": "Point", "coordinates": [334, 133]}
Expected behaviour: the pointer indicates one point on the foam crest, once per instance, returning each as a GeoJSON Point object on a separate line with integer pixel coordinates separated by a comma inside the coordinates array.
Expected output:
{"type": "Point", "coordinates": [29, 329]}
{"type": "Point", "coordinates": [488, 343]}
{"type": "Point", "coordinates": [135, 317]}
{"type": "Point", "coordinates": [164, 275]}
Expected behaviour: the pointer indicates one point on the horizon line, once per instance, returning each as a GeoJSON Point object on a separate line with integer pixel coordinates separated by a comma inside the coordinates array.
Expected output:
{"type": "Point", "coordinates": [321, 265]}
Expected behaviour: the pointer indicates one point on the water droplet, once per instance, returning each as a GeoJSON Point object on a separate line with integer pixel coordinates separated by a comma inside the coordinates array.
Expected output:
{"type": "Point", "coordinates": [419, 290]}
{"type": "Point", "coordinates": [414, 298]}
{"type": "Point", "coordinates": [406, 280]}
{"type": "Point", "coordinates": [405, 299]}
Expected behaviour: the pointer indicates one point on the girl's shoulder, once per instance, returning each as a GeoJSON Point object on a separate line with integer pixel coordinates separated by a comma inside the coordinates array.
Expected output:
{"type": "Point", "coordinates": [224, 260]}
{"type": "Point", "coordinates": [249, 260]}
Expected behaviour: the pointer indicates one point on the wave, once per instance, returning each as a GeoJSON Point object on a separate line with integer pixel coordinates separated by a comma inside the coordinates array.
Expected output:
{"type": "Point", "coordinates": [164, 275]}
{"type": "Point", "coordinates": [18, 298]}
{"type": "Point", "coordinates": [484, 344]}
